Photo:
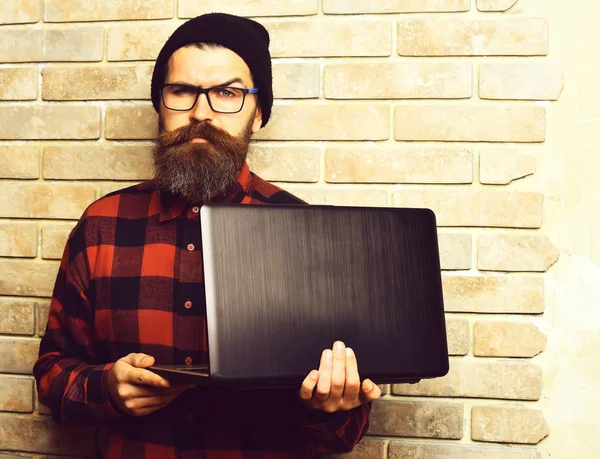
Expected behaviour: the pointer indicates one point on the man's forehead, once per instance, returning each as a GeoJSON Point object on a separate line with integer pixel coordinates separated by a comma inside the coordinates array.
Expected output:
{"type": "Point", "coordinates": [217, 64]}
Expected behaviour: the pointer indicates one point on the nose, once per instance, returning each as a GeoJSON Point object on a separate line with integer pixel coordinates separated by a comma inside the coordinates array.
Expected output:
{"type": "Point", "coordinates": [202, 111]}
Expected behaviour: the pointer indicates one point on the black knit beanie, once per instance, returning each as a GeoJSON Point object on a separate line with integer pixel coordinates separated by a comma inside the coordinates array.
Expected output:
{"type": "Point", "coordinates": [245, 37]}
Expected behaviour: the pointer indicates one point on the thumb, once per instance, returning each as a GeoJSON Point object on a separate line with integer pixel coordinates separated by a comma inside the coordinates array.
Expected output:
{"type": "Point", "coordinates": [369, 391]}
{"type": "Point", "coordinates": [139, 360]}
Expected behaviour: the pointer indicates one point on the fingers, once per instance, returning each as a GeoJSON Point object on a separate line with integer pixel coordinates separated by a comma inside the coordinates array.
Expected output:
{"type": "Point", "coordinates": [127, 391]}
{"type": "Point", "coordinates": [143, 377]}
{"type": "Point", "coordinates": [308, 385]}
{"type": "Point", "coordinates": [352, 387]}
{"type": "Point", "coordinates": [369, 391]}
{"type": "Point", "coordinates": [145, 405]}
{"type": "Point", "coordinates": [130, 369]}
{"type": "Point", "coordinates": [139, 360]}
{"type": "Point", "coordinates": [338, 371]}
{"type": "Point", "coordinates": [325, 368]}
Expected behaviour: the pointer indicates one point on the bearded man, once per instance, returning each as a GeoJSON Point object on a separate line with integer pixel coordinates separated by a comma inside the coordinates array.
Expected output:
{"type": "Point", "coordinates": [129, 292]}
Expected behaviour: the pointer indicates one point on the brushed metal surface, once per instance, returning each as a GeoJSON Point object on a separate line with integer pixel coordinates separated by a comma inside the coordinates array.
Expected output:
{"type": "Point", "coordinates": [284, 282]}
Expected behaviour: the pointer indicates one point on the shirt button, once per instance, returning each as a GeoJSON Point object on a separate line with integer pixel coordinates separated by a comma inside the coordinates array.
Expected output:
{"type": "Point", "coordinates": [191, 247]}
{"type": "Point", "coordinates": [188, 360]}
{"type": "Point", "coordinates": [188, 304]}
{"type": "Point", "coordinates": [196, 209]}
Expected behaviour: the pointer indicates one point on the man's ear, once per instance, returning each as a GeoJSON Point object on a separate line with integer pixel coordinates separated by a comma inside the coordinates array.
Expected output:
{"type": "Point", "coordinates": [256, 124]}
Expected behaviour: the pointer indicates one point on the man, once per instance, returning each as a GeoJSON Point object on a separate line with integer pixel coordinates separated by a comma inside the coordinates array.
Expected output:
{"type": "Point", "coordinates": [129, 292]}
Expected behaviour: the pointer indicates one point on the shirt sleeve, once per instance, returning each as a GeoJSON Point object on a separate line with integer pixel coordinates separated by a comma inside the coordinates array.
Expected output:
{"type": "Point", "coordinates": [70, 379]}
{"type": "Point", "coordinates": [336, 432]}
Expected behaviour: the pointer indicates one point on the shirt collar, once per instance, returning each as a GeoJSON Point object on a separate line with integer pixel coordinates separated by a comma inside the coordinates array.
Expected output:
{"type": "Point", "coordinates": [172, 206]}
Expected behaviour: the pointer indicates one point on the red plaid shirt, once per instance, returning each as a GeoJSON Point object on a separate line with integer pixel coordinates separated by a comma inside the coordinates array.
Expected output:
{"type": "Point", "coordinates": [131, 280]}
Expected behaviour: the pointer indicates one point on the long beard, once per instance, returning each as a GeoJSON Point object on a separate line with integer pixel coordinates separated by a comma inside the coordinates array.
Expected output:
{"type": "Point", "coordinates": [199, 172]}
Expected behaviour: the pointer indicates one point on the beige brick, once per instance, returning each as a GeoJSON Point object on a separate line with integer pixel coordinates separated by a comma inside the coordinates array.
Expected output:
{"type": "Point", "coordinates": [417, 419]}
{"type": "Point", "coordinates": [321, 38]}
{"type": "Point", "coordinates": [106, 10]}
{"type": "Point", "coordinates": [113, 162]}
{"type": "Point", "coordinates": [43, 435]}
{"type": "Point", "coordinates": [134, 122]}
{"type": "Point", "coordinates": [327, 122]}
{"type": "Point", "coordinates": [502, 167]}
{"type": "Point", "coordinates": [405, 80]}
{"type": "Point", "coordinates": [471, 123]}
{"type": "Point", "coordinates": [494, 294]}
{"type": "Point", "coordinates": [516, 252]}
{"type": "Point", "coordinates": [398, 164]}
{"type": "Point", "coordinates": [462, 207]}
{"type": "Point", "coordinates": [507, 339]}
{"type": "Point", "coordinates": [110, 187]}
{"type": "Point", "coordinates": [54, 239]}
{"type": "Point", "coordinates": [43, 311]}
{"type": "Point", "coordinates": [192, 8]}
{"type": "Point", "coordinates": [522, 81]}
{"type": "Point", "coordinates": [504, 380]}
{"type": "Point", "coordinates": [457, 331]}
{"type": "Point", "coordinates": [455, 251]}
{"type": "Point", "coordinates": [44, 200]}
{"type": "Point", "coordinates": [44, 411]}
{"type": "Point", "coordinates": [286, 163]}
{"type": "Point", "coordinates": [96, 83]}
{"type": "Point", "coordinates": [17, 317]}
{"type": "Point", "coordinates": [418, 450]}
{"type": "Point", "coordinates": [49, 122]}
{"type": "Point", "coordinates": [495, 5]}
{"type": "Point", "coordinates": [77, 44]}
{"type": "Point", "coordinates": [18, 83]}
{"type": "Point", "coordinates": [27, 278]}
{"type": "Point", "coordinates": [384, 388]}
{"type": "Point", "coordinates": [18, 239]}
{"type": "Point", "coordinates": [339, 196]}
{"type": "Point", "coordinates": [296, 81]}
{"type": "Point", "coordinates": [137, 42]}
{"type": "Point", "coordinates": [17, 355]}
{"type": "Point", "coordinates": [20, 11]}
{"type": "Point", "coordinates": [471, 37]}
{"type": "Point", "coordinates": [394, 6]}
{"type": "Point", "coordinates": [16, 394]}
{"type": "Point", "coordinates": [19, 161]}
{"type": "Point", "coordinates": [508, 424]}
{"type": "Point", "coordinates": [368, 448]}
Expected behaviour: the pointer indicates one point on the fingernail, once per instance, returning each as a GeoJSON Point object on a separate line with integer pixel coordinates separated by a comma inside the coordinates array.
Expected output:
{"type": "Point", "coordinates": [349, 352]}
{"type": "Point", "coordinates": [369, 387]}
{"type": "Point", "coordinates": [328, 354]}
{"type": "Point", "coordinates": [314, 374]}
{"type": "Point", "coordinates": [339, 346]}
{"type": "Point", "coordinates": [144, 360]}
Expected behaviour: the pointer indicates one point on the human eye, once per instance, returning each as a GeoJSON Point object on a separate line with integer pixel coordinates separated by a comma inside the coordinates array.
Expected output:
{"type": "Point", "coordinates": [229, 92]}
{"type": "Point", "coordinates": [182, 90]}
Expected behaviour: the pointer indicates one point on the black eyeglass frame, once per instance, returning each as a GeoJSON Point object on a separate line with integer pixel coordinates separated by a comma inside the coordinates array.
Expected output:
{"type": "Point", "coordinates": [205, 91]}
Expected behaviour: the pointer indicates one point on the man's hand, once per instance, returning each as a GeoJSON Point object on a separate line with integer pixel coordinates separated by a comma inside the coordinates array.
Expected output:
{"type": "Point", "coordinates": [337, 383]}
{"type": "Point", "coordinates": [137, 391]}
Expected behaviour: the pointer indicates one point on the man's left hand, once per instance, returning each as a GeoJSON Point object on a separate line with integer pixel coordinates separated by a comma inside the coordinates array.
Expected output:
{"type": "Point", "coordinates": [337, 383]}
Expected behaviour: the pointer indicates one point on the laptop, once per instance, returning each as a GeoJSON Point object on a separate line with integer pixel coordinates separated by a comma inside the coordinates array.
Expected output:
{"type": "Point", "coordinates": [284, 282]}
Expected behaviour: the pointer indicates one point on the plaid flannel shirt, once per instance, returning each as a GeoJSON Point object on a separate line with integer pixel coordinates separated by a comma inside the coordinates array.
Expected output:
{"type": "Point", "coordinates": [131, 280]}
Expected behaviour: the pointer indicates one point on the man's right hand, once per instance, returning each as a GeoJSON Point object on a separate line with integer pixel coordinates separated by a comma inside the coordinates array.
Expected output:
{"type": "Point", "coordinates": [137, 391]}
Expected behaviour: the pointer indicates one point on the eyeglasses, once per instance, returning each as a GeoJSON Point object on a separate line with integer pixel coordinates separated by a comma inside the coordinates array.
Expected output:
{"type": "Point", "coordinates": [222, 99]}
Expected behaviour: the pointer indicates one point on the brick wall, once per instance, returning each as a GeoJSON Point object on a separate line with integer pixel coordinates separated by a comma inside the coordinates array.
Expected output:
{"type": "Point", "coordinates": [383, 102]}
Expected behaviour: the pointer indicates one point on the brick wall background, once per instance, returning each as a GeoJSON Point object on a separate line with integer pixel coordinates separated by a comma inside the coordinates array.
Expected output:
{"type": "Point", "coordinates": [438, 103]}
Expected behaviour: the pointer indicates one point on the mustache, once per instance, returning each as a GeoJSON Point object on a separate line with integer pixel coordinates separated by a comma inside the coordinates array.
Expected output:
{"type": "Point", "coordinates": [184, 134]}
